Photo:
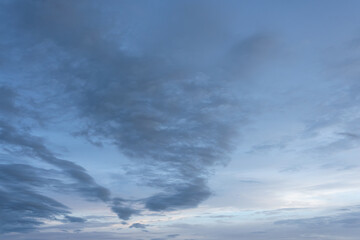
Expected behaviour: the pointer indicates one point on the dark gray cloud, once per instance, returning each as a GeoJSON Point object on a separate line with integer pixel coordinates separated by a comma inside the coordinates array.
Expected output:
{"type": "Point", "coordinates": [181, 196]}
{"type": "Point", "coordinates": [122, 209]}
{"type": "Point", "coordinates": [12, 174]}
{"type": "Point", "coordinates": [171, 102]}
{"type": "Point", "coordinates": [22, 208]}
{"type": "Point", "coordinates": [138, 225]}
{"type": "Point", "coordinates": [15, 140]}
{"type": "Point", "coordinates": [72, 219]}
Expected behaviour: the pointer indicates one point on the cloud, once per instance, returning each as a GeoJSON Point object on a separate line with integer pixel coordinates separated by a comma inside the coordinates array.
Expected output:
{"type": "Point", "coordinates": [180, 196]}
{"type": "Point", "coordinates": [170, 92]}
{"type": "Point", "coordinates": [25, 143]}
{"type": "Point", "coordinates": [173, 109]}
{"type": "Point", "coordinates": [138, 225]}
{"type": "Point", "coordinates": [123, 211]}
{"type": "Point", "coordinates": [13, 174]}
{"type": "Point", "coordinates": [22, 209]}
{"type": "Point", "coordinates": [72, 219]}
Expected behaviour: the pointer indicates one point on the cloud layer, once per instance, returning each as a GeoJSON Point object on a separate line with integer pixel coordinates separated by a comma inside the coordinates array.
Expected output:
{"type": "Point", "coordinates": [170, 103]}
{"type": "Point", "coordinates": [131, 107]}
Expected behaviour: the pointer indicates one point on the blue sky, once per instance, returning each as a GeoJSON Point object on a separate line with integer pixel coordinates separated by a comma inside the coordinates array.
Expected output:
{"type": "Point", "coordinates": [180, 120]}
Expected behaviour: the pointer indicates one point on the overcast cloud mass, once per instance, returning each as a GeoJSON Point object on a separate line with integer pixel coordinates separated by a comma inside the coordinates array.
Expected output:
{"type": "Point", "coordinates": [185, 120]}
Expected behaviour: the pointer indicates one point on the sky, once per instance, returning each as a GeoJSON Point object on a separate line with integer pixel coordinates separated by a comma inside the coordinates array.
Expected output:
{"type": "Point", "coordinates": [184, 120]}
